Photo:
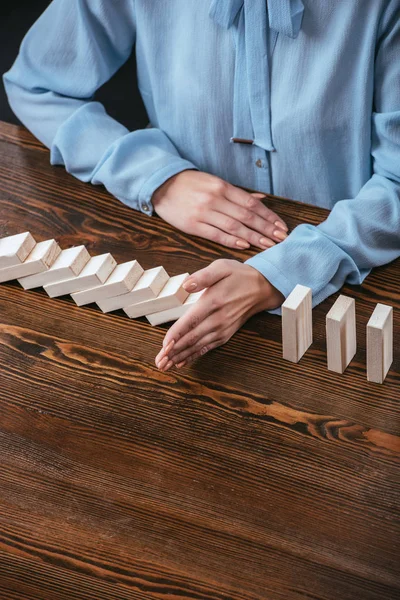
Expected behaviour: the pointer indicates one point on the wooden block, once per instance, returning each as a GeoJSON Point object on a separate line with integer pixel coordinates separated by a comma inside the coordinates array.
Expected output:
{"type": "Point", "coordinates": [69, 263]}
{"type": "Point", "coordinates": [173, 314]}
{"type": "Point", "coordinates": [95, 272]}
{"type": "Point", "coordinates": [149, 286]}
{"type": "Point", "coordinates": [171, 295]}
{"type": "Point", "coordinates": [341, 339]}
{"type": "Point", "coordinates": [14, 249]}
{"type": "Point", "coordinates": [297, 323]}
{"type": "Point", "coordinates": [379, 343]}
{"type": "Point", "coordinates": [121, 281]}
{"type": "Point", "coordinates": [40, 259]}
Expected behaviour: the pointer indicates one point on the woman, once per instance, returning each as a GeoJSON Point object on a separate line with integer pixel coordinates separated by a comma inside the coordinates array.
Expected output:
{"type": "Point", "coordinates": [294, 97]}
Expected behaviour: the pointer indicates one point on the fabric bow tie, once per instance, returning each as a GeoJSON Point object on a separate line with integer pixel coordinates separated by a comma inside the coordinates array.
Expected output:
{"type": "Point", "coordinates": [284, 16]}
{"type": "Point", "coordinates": [255, 36]}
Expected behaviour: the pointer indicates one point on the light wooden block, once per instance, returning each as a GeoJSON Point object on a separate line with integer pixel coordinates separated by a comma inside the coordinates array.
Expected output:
{"type": "Point", "coordinates": [341, 340]}
{"type": "Point", "coordinates": [171, 295]}
{"type": "Point", "coordinates": [40, 259]}
{"type": "Point", "coordinates": [379, 343]}
{"type": "Point", "coordinates": [95, 272]}
{"type": "Point", "coordinates": [68, 264]}
{"type": "Point", "coordinates": [173, 314]}
{"type": "Point", "coordinates": [149, 286]}
{"type": "Point", "coordinates": [14, 249]}
{"type": "Point", "coordinates": [121, 281]}
{"type": "Point", "coordinates": [297, 323]}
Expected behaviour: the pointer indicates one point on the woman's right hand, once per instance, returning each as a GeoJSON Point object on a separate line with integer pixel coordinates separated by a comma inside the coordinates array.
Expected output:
{"type": "Point", "coordinates": [205, 205]}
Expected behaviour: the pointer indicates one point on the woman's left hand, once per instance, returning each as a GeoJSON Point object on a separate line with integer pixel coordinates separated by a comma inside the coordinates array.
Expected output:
{"type": "Point", "coordinates": [234, 293]}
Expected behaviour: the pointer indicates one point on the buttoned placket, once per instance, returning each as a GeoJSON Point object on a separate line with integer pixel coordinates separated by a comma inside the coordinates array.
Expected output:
{"type": "Point", "coordinates": [262, 161]}
{"type": "Point", "coordinates": [256, 25]}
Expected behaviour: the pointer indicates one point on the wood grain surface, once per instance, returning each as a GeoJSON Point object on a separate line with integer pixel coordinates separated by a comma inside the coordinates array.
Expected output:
{"type": "Point", "coordinates": [243, 477]}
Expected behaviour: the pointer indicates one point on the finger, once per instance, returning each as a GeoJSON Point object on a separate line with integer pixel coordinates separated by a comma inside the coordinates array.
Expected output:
{"type": "Point", "coordinates": [160, 358]}
{"type": "Point", "coordinates": [205, 278]}
{"type": "Point", "coordinates": [162, 363]}
{"type": "Point", "coordinates": [204, 350]}
{"type": "Point", "coordinates": [202, 344]}
{"type": "Point", "coordinates": [192, 319]}
{"type": "Point", "coordinates": [167, 366]}
{"type": "Point", "coordinates": [234, 226]}
{"type": "Point", "coordinates": [254, 203]}
{"type": "Point", "coordinates": [209, 327]}
{"type": "Point", "coordinates": [264, 211]}
{"type": "Point", "coordinates": [244, 223]}
{"type": "Point", "coordinates": [214, 234]}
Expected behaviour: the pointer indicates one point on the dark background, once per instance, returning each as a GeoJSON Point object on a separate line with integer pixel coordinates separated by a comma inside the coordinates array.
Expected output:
{"type": "Point", "coordinates": [119, 95]}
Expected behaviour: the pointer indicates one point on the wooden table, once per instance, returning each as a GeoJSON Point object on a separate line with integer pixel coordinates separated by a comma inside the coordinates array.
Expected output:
{"type": "Point", "coordinates": [244, 477]}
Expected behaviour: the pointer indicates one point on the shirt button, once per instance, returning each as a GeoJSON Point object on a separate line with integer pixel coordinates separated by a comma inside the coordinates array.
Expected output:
{"type": "Point", "coordinates": [146, 208]}
{"type": "Point", "coordinates": [259, 163]}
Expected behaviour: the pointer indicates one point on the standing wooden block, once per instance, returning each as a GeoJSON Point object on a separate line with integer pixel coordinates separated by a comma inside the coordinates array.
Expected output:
{"type": "Point", "coordinates": [297, 323]}
{"type": "Point", "coordinates": [171, 295]}
{"type": "Point", "coordinates": [95, 272]}
{"type": "Point", "coordinates": [121, 281]}
{"type": "Point", "coordinates": [341, 339]}
{"type": "Point", "coordinates": [14, 249]}
{"type": "Point", "coordinates": [149, 286]}
{"type": "Point", "coordinates": [40, 259]}
{"type": "Point", "coordinates": [69, 263]}
{"type": "Point", "coordinates": [173, 314]}
{"type": "Point", "coordinates": [379, 343]}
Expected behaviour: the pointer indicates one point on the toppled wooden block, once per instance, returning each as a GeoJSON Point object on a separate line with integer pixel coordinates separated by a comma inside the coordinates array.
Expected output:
{"type": "Point", "coordinates": [149, 286]}
{"type": "Point", "coordinates": [95, 272]}
{"type": "Point", "coordinates": [379, 343]}
{"type": "Point", "coordinates": [297, 323]}
{"type": "Point", "coordinates": [68, 264]}
{"type": "Point", "coordinates": [173, 314]}
{"type": "Point", "coordinates": [121, 281]}
{"type": "Point", "coordinates": [14, 249]}
{"type": "Point", "coordinates": [341, 341]}
{"type": "Point", "coordinates": [40, 259]}
{"type": "Point", "coordinates": [171, 295]}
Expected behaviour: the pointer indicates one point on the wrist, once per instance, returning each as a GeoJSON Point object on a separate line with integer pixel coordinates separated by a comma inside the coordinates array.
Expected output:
{"type": "Point", "coordinates": [162, 191]}
{"type": "Point", "coordinates": [268, 296]}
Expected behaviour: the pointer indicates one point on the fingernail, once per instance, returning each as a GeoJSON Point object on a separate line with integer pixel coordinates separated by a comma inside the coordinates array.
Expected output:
{"type": "Point", "coordinates": [181, 364]}
{"type": "Point", "coordinates": [158, 359]}
{"type": "Point", "coordinates": [242, 244]}
{"type": "Point", "coordinates": [190, 287]}
{"type": "Point", "coordinates": [281, 225]}
{"type": "Point", "coordinates": [266, 242]}
{"type": "Point", "coordinates": [281, 235]}
{"type": "Point", "coordinates": [169, 347]}
{"type": "Point", "coordinates": [160, 355]}
{"type": "Point", "coordinates": [168, 365]}
{"type": "Point", "coordinates": [162, 363]}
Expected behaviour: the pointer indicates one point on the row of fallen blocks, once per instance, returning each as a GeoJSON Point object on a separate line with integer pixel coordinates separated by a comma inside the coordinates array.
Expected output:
{"type": "Point", "coordinates": [341, 339]}
{"type": "Point", "coordinates": [161, 299]}
{"type": "Point", "coordinates": [152, 293]}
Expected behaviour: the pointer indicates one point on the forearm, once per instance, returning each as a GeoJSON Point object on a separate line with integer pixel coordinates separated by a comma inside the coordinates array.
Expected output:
{"type": "Point", "coordinates": [50, 88]}
{"type": "Point", "coordinates": [362, 232]}
{"type": "Point", "coordinates": [359, 234]}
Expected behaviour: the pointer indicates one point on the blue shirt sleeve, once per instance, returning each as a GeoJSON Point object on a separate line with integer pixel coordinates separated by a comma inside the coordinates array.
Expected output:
{"type": "Point", "coordinates": [73, 48]}
{"type": "Point", "coordinates": [362, 232]}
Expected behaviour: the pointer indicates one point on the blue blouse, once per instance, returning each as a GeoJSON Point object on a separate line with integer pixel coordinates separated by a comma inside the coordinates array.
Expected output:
{"type": "Point", "coordinates": [314, 86]}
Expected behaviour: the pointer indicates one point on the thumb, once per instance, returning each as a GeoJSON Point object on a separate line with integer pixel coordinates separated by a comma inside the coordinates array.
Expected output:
{"type": "Point", "coordinates": [206, 277]}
